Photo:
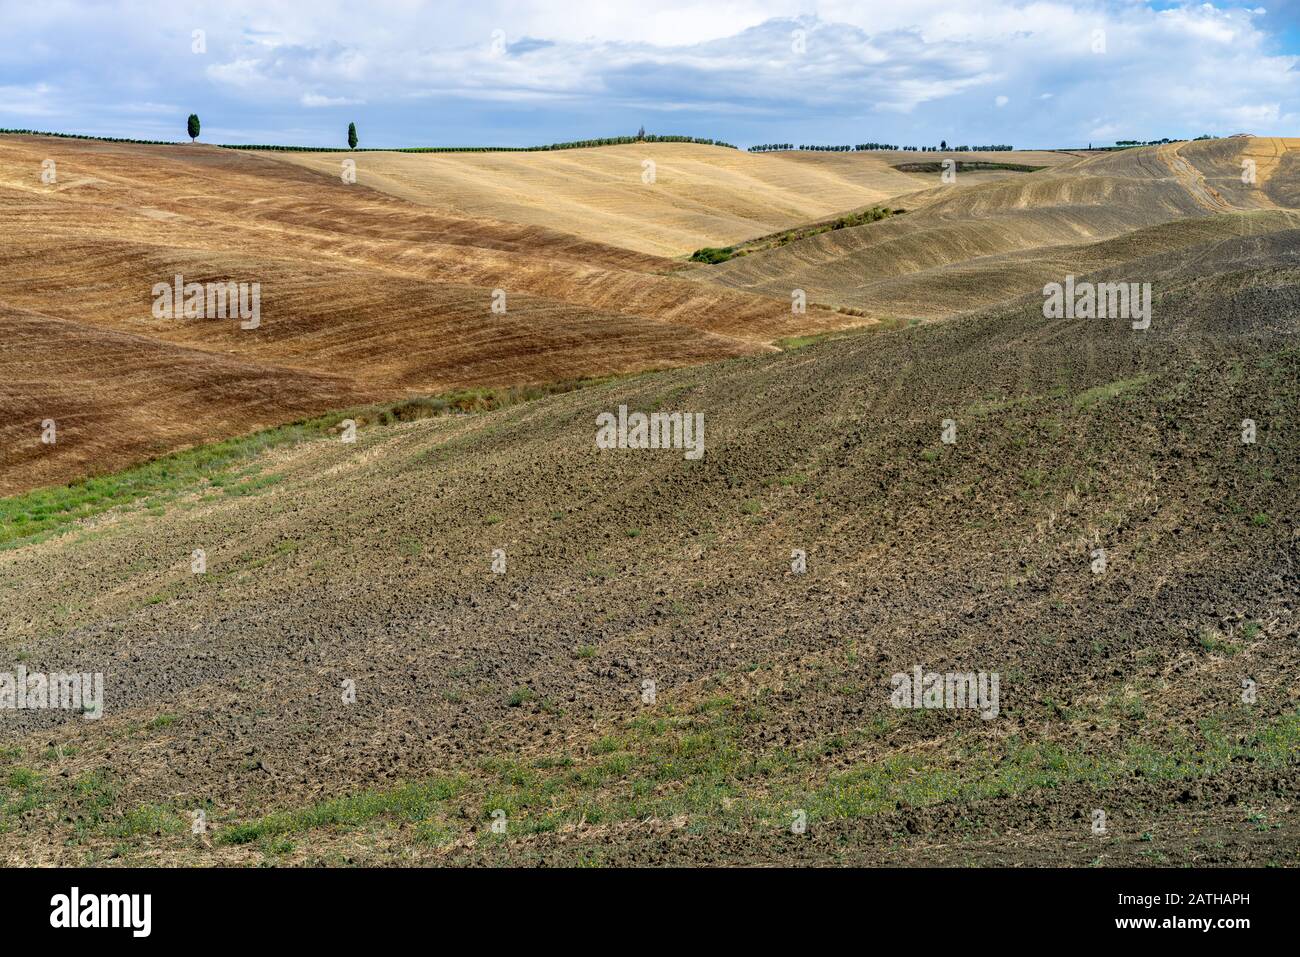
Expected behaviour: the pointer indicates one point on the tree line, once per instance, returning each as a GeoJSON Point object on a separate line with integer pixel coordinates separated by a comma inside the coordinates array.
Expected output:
{"type": "Point", "coordinates": [1161, 142]}
{"type": "Point", "coordinates": [192, 127]}
{"type": "Point", "coordinates": [572, 145]}
{"type": "Point", "coordinates": [864, 147]}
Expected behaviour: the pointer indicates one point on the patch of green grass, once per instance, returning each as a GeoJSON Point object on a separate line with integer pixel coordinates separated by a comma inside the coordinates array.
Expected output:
{"type": "Point", "coordinates": [45, 511]}
{"type": "Point", "coordinates": [24, 789]}
{"type": "Point", "coordinates": [661, 766]}
{"type": "Point", "coordinates": [277, 846]}
{"type": "Point", "coordinates": [1026, 766]}
{"type": "Point", "coordinates": [40, 513]}
{"type": "Point", "coordinates": [697, 763]}
{"type": "Point", "coordinates": [148, 819]}
{"type": "Point", "coordinates": [22, 779]}
{"type": "Point", "coordinates": [1212, 641]}
{"type": "Point", "coordinates": [413, 803]}
{"type": "Point", "coordinates": [1108, 391]}
{"type": "Point", "coordinates": [708, 705]}
{"type": "Point", "coordinates": [433, 834]}
{"type": "Point", "coordinates": [243, 488]}
{"type": "Point", "coordinates": [93, 795]}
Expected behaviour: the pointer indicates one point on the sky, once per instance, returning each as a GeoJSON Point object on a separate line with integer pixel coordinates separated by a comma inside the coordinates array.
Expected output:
{"type": "Point", "coordinates": [1028, 73]}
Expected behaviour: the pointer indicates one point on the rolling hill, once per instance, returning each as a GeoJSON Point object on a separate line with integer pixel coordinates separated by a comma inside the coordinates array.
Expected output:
{"type": "Point", "coordinates": [962, 249]}
{"type": "Point", "coordinates": [523, 693]}
{"type": "Point", "coordinates": [633, 656]}
{"type": "Point", "coordinates": [701, 195]}
{"type": "Point", "coordinates": [363, 297]}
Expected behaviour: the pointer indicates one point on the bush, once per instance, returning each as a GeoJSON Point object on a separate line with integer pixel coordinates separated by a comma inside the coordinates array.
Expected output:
{"type": "Point", "coordinates": [712, 255]}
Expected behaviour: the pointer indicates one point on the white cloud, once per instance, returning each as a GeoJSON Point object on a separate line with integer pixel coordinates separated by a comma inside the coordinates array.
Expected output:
{"type": "Point", "coordinates": [871, 68]}
{"type": "Point", "coordinates": [155, 109]}
{"type": "Point", "coordinates": [312, 100]}
{"type": "Point", "coordinates": [36, 99]}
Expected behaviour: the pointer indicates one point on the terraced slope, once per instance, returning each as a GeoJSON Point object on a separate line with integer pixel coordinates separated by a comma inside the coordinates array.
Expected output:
{"type": "Point", "coordinates": [363, 295]}
{"type": "Point", "coordinates": [970, 248]}
{"type": "Point", "coordinates": [525, 692]}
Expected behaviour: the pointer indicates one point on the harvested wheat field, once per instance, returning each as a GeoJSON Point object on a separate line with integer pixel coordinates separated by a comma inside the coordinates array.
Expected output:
{"type": "Point", "coordinates": [363, 297]}
{"type": "Point", "coordinates": [700, 196]}
{"type": "Point", "coordinates": [963, 249]}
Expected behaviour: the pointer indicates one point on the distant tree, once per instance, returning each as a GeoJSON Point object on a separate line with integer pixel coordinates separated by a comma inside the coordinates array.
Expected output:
{"type": "Point", "coordinates": [352, 136]}
{"type": "Point", "coordinates": [640, 134]}
{"type": "Point", "coordinates": [192, 126]}
{"type": "Point", "coordinates": [943, 144]}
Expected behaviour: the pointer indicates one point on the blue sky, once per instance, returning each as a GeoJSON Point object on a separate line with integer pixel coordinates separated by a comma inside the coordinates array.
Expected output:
{"type": "Point", "coordinates": [1046, 73]}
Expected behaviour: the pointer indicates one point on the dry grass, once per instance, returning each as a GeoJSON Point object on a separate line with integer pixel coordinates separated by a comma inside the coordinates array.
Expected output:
{"type": "Point", "coordinates": [702, 195]}
{"type": "Point", "coordinates": [963, 249]}
{"type": "Point", "coordinates": [364, 297]}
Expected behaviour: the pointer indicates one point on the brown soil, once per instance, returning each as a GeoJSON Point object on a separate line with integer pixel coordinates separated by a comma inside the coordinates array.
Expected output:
{"type": "Point", "coordinates": [363, 296]}
{"type": "Point", "coordinates": [1120, 690]}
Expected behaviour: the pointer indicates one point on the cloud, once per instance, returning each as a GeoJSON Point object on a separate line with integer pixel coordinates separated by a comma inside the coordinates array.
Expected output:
{"type": "Point", "coordinates": [830, 71]}
{"type": "Point", "coordinates": [313, 100]}
{"type": "Point", "coordinates": [36, 99]}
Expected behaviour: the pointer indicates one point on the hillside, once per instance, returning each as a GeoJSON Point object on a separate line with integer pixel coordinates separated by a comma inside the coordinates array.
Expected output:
{"type": "Point", "coordinates": [363, 297]}
{"type": "Point", "coordinates": [701, 196]}
{"type": "Point", "coordinates": [523, 692]}
{"type": "Point", "coordinates": [963, 249]}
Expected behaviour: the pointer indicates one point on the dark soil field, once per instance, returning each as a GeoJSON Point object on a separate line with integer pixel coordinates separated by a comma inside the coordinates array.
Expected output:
{"type": "Point", "coordinates": [649, 678]}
